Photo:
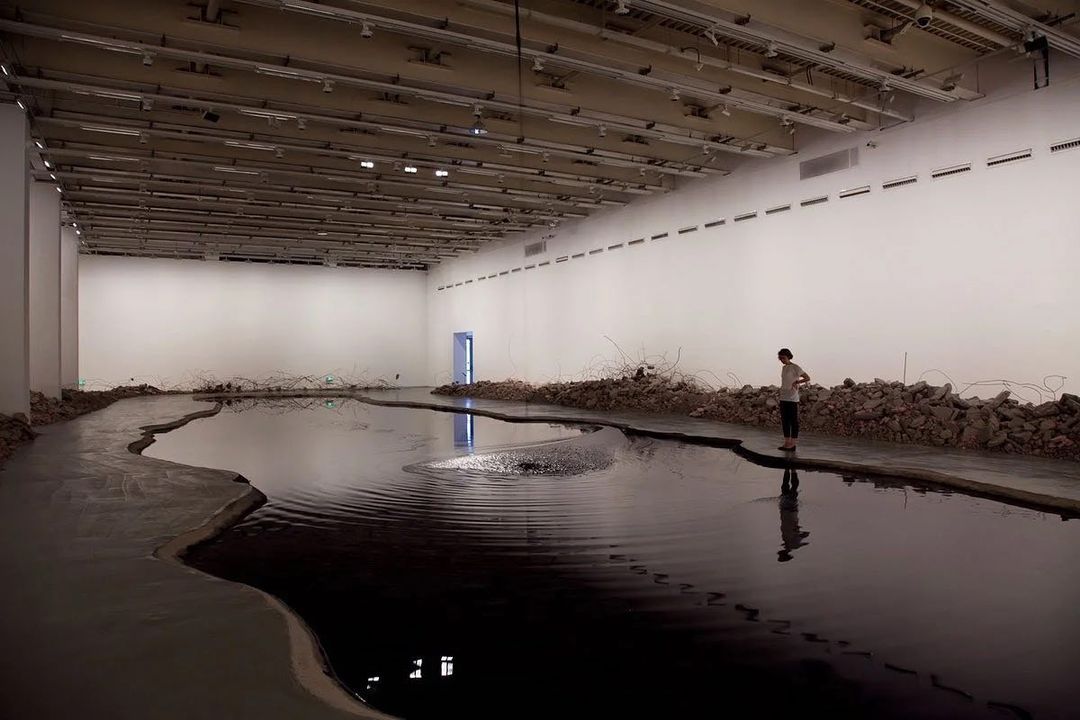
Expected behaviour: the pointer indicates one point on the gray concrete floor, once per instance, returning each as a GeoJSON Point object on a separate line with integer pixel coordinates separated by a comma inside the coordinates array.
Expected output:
{"type": "Point", "coordinates": [94, 625]}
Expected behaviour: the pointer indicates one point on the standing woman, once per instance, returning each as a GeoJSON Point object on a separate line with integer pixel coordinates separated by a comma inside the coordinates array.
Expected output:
{"type": "Point", "coordinates": [791, 377]}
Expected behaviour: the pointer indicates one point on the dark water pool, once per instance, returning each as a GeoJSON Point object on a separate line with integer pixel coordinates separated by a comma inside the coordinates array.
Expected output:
{"type": "Point", "coordinates": [456, 567]}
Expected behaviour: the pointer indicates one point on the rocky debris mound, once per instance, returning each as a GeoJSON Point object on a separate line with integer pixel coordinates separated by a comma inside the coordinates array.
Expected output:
{"type": "Point", "coordinates": [14, 431]}
{"type": "Point", "coordinates": [921, 414]}
{"type": "Point", "coordinates": [45, 410]}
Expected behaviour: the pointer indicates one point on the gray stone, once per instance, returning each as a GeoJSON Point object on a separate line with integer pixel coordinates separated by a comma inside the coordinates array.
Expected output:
{"type": "Point", "coordinates": [868, 415]}
{"type": "Point", "coordinates": [1047, 409]}
{"type": "Point", "coordinates": [1020, 437]}
{"type": "Point", "coordinates": [997, 440]}
{"type": "Point", "coordinates": [1047, 424]}
{"type": "Point", "coordinates": [944, 414]}
{"type": "Point", "coordinates": [873, 403]}
{"type": "Point", "coordinates": [942, 392]}
{"type": "Point", "coordinates": [999, 398]}
{"type": "Point", "coordinates": [848, 382]}
{"type": "Point", "coordinates": [917, 422]}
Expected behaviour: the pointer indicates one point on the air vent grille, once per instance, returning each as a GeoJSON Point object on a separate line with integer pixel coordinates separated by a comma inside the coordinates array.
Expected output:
{"type": "Point", "coordinates": [778, 209]}
{"type": "Point", "coordinates": [715, 223]}
{"type": "Point", "coordinates": [814, 201]}
{"type": "Point", "coordinates": [536, 248]}
{"type": "Point", "coordinates": [1065, 145]}
{"type": "Point", "coordinates": [853, 192]}
{"type": "Point", "coordinates": [616, 246]}
{"type": "Point", "coordinates": [562, 259]}
{"type": "Point", "coordinates": [692, 228]}
{"type": "Point", "coordinates": [597, 251]}
{"type": "Point", "coordinates": [659, 236]}
{"type": "Point", "coordinates": [899, 182]}
{"type": "Point", "coordinates": [745, 216]}
{"type": "Point", "coordinates": [639, 241]}
{"type": "Point", "coordinates": [1008, 158]}
{"type": "Point", "coordinates": [950, 171]}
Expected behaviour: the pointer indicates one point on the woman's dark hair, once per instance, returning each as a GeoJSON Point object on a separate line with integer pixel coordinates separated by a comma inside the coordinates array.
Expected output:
{"type": "Point", "coordinates": [787, 353]}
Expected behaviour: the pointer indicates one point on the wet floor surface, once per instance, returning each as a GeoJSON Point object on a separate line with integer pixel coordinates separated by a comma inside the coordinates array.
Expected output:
{"type": "Point", "coordinates": [455, 566]}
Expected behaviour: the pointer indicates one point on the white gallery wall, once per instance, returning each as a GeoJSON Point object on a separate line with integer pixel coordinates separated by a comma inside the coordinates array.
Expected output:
{"type": "Point", "coordinates": [176, 323]}
{"type": "Point", "coordinates": [973, 274]}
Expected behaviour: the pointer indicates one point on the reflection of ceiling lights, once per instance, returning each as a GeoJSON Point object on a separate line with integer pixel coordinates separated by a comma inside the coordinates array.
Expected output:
{"type": "Point", "coordinates": [441, 173]}
{"type": "Point", "coordinates": [411, 169]}
{"type": "Point", "coordinates": [367, 164]}
{"type": "Point", "coordinates": [622, 7]}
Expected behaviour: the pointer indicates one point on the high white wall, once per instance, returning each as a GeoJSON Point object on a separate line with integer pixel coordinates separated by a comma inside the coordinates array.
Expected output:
{"type": "Point", "coordinates": [973, 274]}
{"type": "Point", "coordinates": [45, 288]}
{"type": "Point", "coordinates": [14, 262]}
{"type": "Point", "coordinates": [175, 322]}
{"type": "Point", "coordinates": [69, 308]}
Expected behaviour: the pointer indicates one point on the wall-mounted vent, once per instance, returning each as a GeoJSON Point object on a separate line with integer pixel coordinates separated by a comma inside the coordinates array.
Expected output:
{"type": "Point", "coordinates": [949, 171]}
{"type": "Point", "coordinates": [468, 282]}
{"type": "Point", "coordinates": [853, 192]}
{"type": "Point", "coordinates": [1065, 145]}
{"type": "Point", "coordinates": [575, 256]}
{"type": "Point", "coordinates": [659, 236]}
{"type": "Point", "coordinates": [1008, 158]}
{"type": "Point", "coordinates": [441, 287]}
{"type": "Point", "coordinates": [504, 272]}
{"type": "Point", "coordinates": [616, 246]}
{"type": "Point", "coordinates": [562, 259]}
{"type": "Point", "coordinates": [715, 223]}
{"type": "Point", "coordinates": [745, 216]}
{"type": "Point", "coordinates": [544, 264]}
{"type": "Point", "coordinates": [492, 275]}
{"type": "Point", "coordinates": [457, 284]}
{"type": "Point", "coordinates": [529, 267]}
{"type": "Point", "coordinates": [639, 241]}
{"type": "Point", "coordinates": [833, 162]}
{"type": "Point", "coordinates": [514, 270]}
{"type": "Point", "coordinates": [690, 229]}
{"type": "Point", "coordinates": [597, 251]}
{"type": "Point", "coordinates": [481, 279]}
{"type": "Point", "coordinates": [536, 248]}
{"type": "Point", "coordinates": [814, 201]}
{"type": "Point", "coordinates": [778, 209]}
{"type": "Point", "coordinates": [899, 182]}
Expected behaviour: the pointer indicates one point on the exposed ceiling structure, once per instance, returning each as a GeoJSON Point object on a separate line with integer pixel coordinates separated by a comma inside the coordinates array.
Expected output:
{"type": "Point", "coordinates": [384, 134]}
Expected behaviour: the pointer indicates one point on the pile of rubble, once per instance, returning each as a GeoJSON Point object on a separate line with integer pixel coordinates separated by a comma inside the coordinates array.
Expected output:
{"type": "Point", "coordinates": [15, 430]}
{"type": "Point", "coordinates": [921, 413]}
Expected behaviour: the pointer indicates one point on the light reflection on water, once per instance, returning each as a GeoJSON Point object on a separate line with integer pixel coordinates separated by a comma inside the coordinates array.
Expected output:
{"type": "Point", "coordinates": [668, 576]}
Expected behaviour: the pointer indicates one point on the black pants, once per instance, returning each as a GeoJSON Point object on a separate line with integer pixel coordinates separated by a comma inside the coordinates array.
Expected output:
{"type": "Point", "coordinates": [789, 418]}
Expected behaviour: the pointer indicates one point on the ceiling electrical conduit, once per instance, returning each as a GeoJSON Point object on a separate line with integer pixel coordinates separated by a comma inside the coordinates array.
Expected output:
{"type": "Point", "coordinates": [551, 111]}
{"type": "Point", "coordinates": [568, 59]}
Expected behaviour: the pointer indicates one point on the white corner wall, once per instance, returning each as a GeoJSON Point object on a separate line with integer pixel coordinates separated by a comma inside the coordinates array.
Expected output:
{"type": "Point", "coordinates": [175, 323]}
{"type": "Point", "coordinates": [45, 289]}
{"type": "Point", "coordinates": [69, 307]}
{"type": "Point", "coordinates": [973, 274]}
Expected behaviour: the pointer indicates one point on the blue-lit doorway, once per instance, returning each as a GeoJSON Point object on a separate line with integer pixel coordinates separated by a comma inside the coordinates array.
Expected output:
{"type": "Point", "coordinates": [464, 367]}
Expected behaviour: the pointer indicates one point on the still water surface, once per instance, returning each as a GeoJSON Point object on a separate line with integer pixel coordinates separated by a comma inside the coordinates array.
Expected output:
{"type": "Point", "coordinates": [466, 567]}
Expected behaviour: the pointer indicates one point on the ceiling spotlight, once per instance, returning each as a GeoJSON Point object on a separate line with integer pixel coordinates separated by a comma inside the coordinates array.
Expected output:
{"type": "Point", "coordinates": [4, 68]}
{"type": "Point", "coordinates": [143, 138]}
{"type": "Point", "coordinates": [478, 127]}
{"type": "Point", "coordinates": [699, 66]}
{"type": "Point", "coordinates": [147, 104]}
{"type": "Point", "coordinates": [791, 130]}
{"type": "Point", "coordinates": [301, 124]}
{"type": "Point", "coordinates": [210, 116]}
{"type": "Point", "coordinates": [725, 111]}
{"type": "Point", "coordinates": [538, 64]}
{"type": "Point", "coordinates": [397, 166]}
{"type": "Point", "coordinates": [58, 189]}
{"type": "Point", "coordinates": [771, 51]}
{"type": "Point", "coordinates": [21, 104]}
{"type": "Point", "coordinates": [147, 59]}
{"type": "Point", "coordinates": [367, 164]}
{"type": "Point", "coordinates": [674, 94]}
{"type": "Point", "coordinates": [279, 153]}
{"type": "Point", "coordinates": [442, 173]}
{"type": "Point", "coordinates": [48, 165]}
{"type": "Point", "coordinates": [39, 145]}
{"type": "Point", "coordinates": [78, 232]}
{"type": "Point", "coordinates": [622, 7]}
{"type": "Point", "coordinates": [411, 169]}
{"type": "Point", "coordinates": [365, 30]}
{"type": "Point", "coordinates": [545, 156]}
{"type": "Point", "coordinates": [327, 85]}
{"type": "Point", "coordinates": [710, 35]}
{"type": "Point", "coordinates": [602, 130]}
{"type": "Point", "coordinates": [431, 141]}
{"type": "Point", "coordinates": [52, 175]}
{"type": "Point", "coordinates": [502, 179]}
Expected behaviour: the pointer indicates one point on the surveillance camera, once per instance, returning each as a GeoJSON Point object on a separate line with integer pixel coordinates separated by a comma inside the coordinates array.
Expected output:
{"type": "Point", "coordinates": [923, 15]}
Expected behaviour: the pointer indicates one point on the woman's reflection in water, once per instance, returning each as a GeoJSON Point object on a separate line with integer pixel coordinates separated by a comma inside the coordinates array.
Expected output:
{"type": "Point", "coordinates": [791, 536]}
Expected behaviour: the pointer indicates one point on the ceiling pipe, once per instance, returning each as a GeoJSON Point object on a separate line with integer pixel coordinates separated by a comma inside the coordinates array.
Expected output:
{"type": "Point", "coordinates": [729, 25]}
{"type": "Point", "coordinates": [567, 58]}
{"type": "Point", "coordinates": [696, 57]}
{"type": "Point", "coordinates": [551, 111]}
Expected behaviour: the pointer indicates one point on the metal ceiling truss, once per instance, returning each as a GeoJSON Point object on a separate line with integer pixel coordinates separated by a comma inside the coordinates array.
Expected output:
{"type": "Point", "coordinates": [395, 85]}
{"type": "Point", "coordinates": [1026, 26]}
{"type": "Point", "coordinates": [572, 60]}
